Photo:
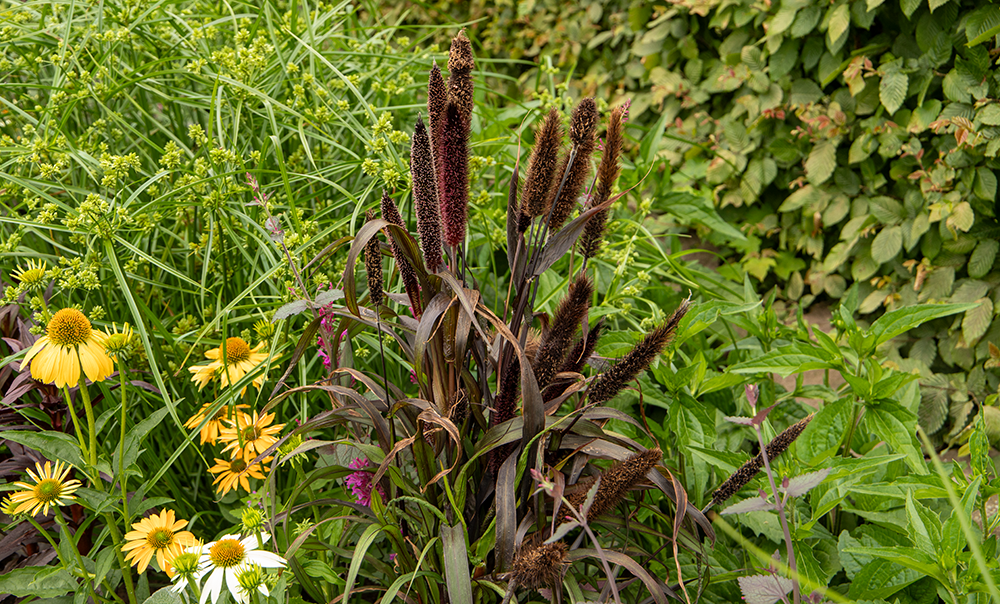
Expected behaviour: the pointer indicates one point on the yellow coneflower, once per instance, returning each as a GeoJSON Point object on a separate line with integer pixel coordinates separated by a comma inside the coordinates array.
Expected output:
{"type": "Point", "coordinates": [119, 344]}
{"type": "Point", "coordinates": [240, 360]}
{"type": "Point", "coordinates": [234, 473]}
{"type": "Point", "coordinates": [159, 535]}
{"type": "Point", "coordinates": [32, 277]}
{"type": "Point", "coordinates": [210, 431]}
{"type": "Point", "coordinates": [69, 343]}
{"type": "Point", "coordinates": [51, 489]}
{"type": "Point", "coordinates": [257, 433]}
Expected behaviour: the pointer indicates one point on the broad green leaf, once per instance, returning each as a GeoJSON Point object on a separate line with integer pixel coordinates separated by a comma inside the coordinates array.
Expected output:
{"type": "Point", "coordinates": [840, 20]}
{"type": "Point", "coordinates": [986, 181]}
{"type": "Point", "coordinates": [983, 257]}
{"type": "Point", "coordinates": [982, 24]}
{"type": "Point", "coordinates": [781, 362]}
{"type": "Point", "coordinates": [699, 210]}
{"type": "Point", "coordinates": [977, 320]}
{"type": "Point", "coordinates": [884, 421]}
{"type": "Point", "coordinates": [989, 115]}
{"type": "Point", "coordinates": [892, 90]}
{"type": "Point", "coordinates": [880, 578]}
{"type": "Point", "coordinates": [887, 244]}
{"type": "Point", "coordinates": [38, 581]}
{"type": "Point", "coordinates": [904, 556]}
{"type": "Point", "coordinates": [164, 595]}
{"type": "Point", "coordinates": [456, 564]}
{"type": "Point", "coordinates": [55, 446]}
{"type": "Point", "coordinates": [821, 161]}
{"type": "Point", "coordinates": [901, 320]}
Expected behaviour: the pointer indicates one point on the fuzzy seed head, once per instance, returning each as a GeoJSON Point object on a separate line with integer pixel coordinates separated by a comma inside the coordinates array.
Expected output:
{"type": "Point", "coordinates": [619, 479]}
{"type": "Point", "coordinates": [373, 265]}
{"type": "Point", "coordinates": [437, 100]}
{"type": "Point", "coordinates": [539, 566]}
{"type": "Point", "coordinates": [453, 171]}
{"type": "Point", "coordinates": [390, 213]}
{"type": "Point", "coordinates": [460, 65]}
{"type": "Point", "coordinates": [541, 169]}
{"type": "Point", "coordinates": [611, 382]}
{"type": "Point", "coordinates": [572, 311]}
{"type": "Point", "coordinates": [583, 127]}
{"type": "Point", "coordinates": [425, 197]}
{"type": "Point", "coordinates": [745, 473]}
{"type": "Point", "coordinates": [607, 174]}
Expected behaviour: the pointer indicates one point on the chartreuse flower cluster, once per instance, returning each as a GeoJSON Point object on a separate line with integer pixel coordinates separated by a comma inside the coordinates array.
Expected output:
{"type": "Point", "coordinates": [245, 436]}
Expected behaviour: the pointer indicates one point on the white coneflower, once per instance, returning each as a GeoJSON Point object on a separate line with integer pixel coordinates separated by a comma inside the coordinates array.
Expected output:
{"type": "Point", "coordinates": [223, 561]}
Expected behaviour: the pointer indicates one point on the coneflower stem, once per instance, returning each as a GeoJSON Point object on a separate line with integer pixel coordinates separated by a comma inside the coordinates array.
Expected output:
{"type": "Point", "coordinates": [76, 422]}
{"type": "Point", "coordinates": [779, 505]}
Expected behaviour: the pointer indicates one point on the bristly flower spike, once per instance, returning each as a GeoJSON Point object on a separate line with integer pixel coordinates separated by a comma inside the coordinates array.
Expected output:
{"type": "Point", "coordinates": [425, 197]}
{"type": "Point", "coordinates": [569, 315]}
{"type": "Point", "coordinates": [619, 479]}
{"type": "Point", "coordinates": [390, 213]}
{"type": "Point", "coordinates": [607, 174]}
{"type": "Point", "coordinates": [583, 127]}
{"type": "Point", "coordinates": [437, 100]}
{"type": "Point", "coordinates": [611, 382]}
{"type": "Point", "coordinates": [541, 170]}
{"type": "Point", "coordinates": [745, 473]}
{"type": "Point", "coordinates": [453, 175]}
{"type": "Point", "coordinates": [535, 567]}
{"type": "Point", "coordinates": [461, 62]}
{"type": "Point", "coordinates": [373, 266]}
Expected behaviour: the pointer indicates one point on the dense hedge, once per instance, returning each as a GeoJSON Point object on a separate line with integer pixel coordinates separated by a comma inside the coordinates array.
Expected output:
{"type": "Point", "coordinates": [854, 142]}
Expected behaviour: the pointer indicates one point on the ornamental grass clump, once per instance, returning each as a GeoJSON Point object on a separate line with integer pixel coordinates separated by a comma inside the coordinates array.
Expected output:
{"type": "Point", "coordinates": [488, 382]}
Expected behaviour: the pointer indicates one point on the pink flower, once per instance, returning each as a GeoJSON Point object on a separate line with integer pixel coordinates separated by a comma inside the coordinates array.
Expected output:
{"type": "Point", "coordinates": [361, 481]}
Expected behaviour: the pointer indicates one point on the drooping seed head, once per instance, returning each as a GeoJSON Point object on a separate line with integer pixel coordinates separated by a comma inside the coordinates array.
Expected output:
{"type": "Point", "coordinates": [535, 567]}
{"type": "Point", "coordinates": [570, 314]}
{"type": "Point", "coordinates": [619, 479]}
{"type": "Point", "coordinates": [611, 382]}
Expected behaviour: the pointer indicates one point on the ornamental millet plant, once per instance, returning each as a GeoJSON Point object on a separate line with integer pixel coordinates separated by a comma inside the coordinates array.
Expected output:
{"type": "Point", "coordinates": [493, 387]}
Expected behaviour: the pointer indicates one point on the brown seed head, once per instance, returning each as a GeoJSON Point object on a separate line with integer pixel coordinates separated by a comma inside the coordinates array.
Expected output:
{"type": "Point", "coordinates": [541, 169]}
{"type": "Point", "coordinates": [570, 314]}
{"type": "Point", "coordinates": [583, 127]}
{"type": "Point", "coordinates": [745, 473]}
{"type": "Point", "coordinates": [460, 65]}
{"type": "Point", "coordinates": [611, 382]}
{"type": "Point", "coordinates": [373, 265]}
{"type": "Point", "coordinates": [437, 101]}
{"type": "Point", "coordinates": [617, 480]}
{"type": "Point", "coordinates": [425, 197]}
{"type": "Point", "coordinates": [535, 567]}
{"type": "Point", "coordinates": [576, 359]}
{"type": "Point", "coordinates": [607, 174]}
{"type": "Point", "coordinates": [453, 175]}
{"type": "Point", "coordinates": [390, 213]}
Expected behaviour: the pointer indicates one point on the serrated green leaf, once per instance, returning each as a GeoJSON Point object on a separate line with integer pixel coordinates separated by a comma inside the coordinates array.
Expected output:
{"type": "Point", "coordinates": [983, 257]}
{"type": "Point", "coordinates": [55, 446]}
{"type": "Point", "coordinates": [840, 20]}
{"type": "Point", "coordinates": [887, 244]}
{"type": "Point", "coordinates": [977, 320]}
{"type": "Point", "coordinates": [781, 362]}
{"type": "Point", "coordinates": [985, 187]}
{"type": "Point", "coordinates": [908, 6]}
{"type": "Point", "coordinates": [892, 90]}
{"type": "Point", "coordinates": [982, 24]}
{"type": "Point", "coordinates": [821, 162]}
{"type": "Point", "coordinates": [936, 4]}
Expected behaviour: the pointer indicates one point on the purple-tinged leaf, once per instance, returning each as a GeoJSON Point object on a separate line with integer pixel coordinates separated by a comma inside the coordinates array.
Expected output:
{"type": "Point", "coordinates": [764, 589]}
{"type": "Point", "coordinates": [800, 485]}
{"type": "Point", "coordinates": [754, 504]}
{"type": "Point", "coordinates": [762, 415]}
{"type": "Point", "coordinates": [739, 419]}
{"type": "Point", "coordinates": [753, 391]}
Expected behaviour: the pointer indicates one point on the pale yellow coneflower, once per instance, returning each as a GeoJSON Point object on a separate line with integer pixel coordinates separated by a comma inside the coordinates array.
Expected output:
{"type": "Point", "coordinates": [51, 489]}
{"type": "Point", "coordinates": [210, 431]}
{"type": "Point", "coordinates": [240, 360]}
{"type": "Point", "coordinates": [69, 343]}
{"type": "Point", "coordinates": [257, 433]}
{"type": "Point", "coordinates": [159, 535]}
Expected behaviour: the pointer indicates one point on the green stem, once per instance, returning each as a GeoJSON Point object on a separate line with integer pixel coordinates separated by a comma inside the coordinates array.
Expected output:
{"type": "Point", "coordinates": [116, 538]}
{"type": "Point", "coordinates": [89, 409]}
{"type": "Point", "coordinates": [76, 422]}
{"type": "Point", "coordinates": [121, 446]}
{"type": "Point", "coordinates": [79, 559]}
